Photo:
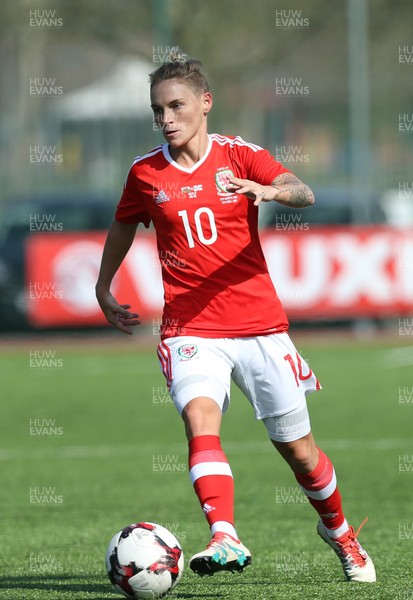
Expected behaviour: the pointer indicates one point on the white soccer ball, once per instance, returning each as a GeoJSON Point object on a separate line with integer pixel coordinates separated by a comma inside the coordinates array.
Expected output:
{"type": "Point", "coordinates": [144, 560]}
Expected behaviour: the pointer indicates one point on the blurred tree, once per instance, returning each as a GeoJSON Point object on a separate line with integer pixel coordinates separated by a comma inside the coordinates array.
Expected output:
{"type": "Point", "coordinates": [243, 48]}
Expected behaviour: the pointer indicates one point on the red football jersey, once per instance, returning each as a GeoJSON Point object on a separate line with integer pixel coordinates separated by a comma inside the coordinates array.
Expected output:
{"type": "Point", "coordinates": [215, 277]}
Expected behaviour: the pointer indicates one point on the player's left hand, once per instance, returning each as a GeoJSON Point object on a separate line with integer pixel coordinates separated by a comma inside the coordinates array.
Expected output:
{"type": "Point", "coordinates": [116, 314]}
{"type": "Point", "coordinates": [255, 191]}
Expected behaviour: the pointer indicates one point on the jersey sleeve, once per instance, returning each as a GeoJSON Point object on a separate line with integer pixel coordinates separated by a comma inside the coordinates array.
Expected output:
{"type": "Point", "coordinates": [131, 207]}
{"type": "Point", "coordinates": [258, 164]}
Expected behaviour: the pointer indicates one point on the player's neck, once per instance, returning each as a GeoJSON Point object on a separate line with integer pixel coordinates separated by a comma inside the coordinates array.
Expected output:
{"type": "Point", "coordinates": [192, 152]}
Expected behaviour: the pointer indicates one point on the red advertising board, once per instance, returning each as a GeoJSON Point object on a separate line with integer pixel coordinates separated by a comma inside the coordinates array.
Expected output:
{"type": "Point", "coordinates": [320, 273]}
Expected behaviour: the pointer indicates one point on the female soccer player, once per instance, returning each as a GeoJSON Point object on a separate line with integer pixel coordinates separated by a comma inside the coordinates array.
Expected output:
{"type": "Point", "coordinates": [222, 317]}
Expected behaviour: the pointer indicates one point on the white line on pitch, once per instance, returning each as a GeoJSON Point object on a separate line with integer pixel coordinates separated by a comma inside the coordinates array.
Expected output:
{"type": "Point", "coordinates": [399, 357]}
{"type": "Point", "coordinates": [103, 452]}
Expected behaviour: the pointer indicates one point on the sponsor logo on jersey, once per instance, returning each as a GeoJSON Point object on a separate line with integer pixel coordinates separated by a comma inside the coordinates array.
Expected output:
{"type": "Point", "coordinates": [187, 351]}
{"type": "Point", "coordinates": [191, 192]}
{"type": "Point", "coordinates": [160, 197]}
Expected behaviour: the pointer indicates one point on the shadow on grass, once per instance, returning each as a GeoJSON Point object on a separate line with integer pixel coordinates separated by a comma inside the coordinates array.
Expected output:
{"type": "Point", "coordinates": [70, 583]}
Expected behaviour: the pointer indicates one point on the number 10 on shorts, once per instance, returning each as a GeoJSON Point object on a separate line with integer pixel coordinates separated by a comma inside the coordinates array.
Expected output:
{"type": "Point", "coordinates": [297, 368]}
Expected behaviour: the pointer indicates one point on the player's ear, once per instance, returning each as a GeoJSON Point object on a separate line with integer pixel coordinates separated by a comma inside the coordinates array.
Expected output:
{"type": "Point", "coordinates": [207, 102]}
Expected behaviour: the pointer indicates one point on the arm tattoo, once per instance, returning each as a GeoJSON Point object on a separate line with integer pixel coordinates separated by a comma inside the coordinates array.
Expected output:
{"type": "Point", "coordinates": [299, 194]}
{"type": "Point", "coordinates": [285, 178]}
{"type": "Point", "coordinates": [299, 197]}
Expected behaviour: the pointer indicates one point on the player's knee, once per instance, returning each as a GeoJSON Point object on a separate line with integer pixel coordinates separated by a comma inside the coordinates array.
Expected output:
{"type": "Point", "coordinates": [302, 451]}
{"type": "Point", "coordinates": [301, 454]}
{"type": "Point", "coordinates": [202, 416]}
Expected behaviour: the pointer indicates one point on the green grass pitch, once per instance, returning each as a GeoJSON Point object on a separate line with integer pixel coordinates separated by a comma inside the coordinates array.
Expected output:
{"type": "Point", "coordinates": [90, 443]}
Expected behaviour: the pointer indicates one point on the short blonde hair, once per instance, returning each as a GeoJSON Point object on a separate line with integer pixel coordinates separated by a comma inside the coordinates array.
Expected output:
{"type": "Point", "coordinates": [178, 66]}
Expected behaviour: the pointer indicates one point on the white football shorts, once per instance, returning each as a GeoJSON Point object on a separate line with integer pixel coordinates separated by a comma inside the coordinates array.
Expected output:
{"type": "Point", "coordinates": [268, 370]}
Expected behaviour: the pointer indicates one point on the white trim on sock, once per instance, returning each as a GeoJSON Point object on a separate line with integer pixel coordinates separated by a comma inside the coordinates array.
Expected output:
{"type": "Point", "coordinates": [338, 532]}
{"type": "Point", "coordinates": [209, 468]}
{"type": "Point", "coordinates": [325, 492]}
{"type": "Point", "coordinates": [225, 527]}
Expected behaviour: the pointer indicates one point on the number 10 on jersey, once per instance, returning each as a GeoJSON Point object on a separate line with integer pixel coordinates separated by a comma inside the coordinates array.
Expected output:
{"type": "Point", "coordinates": [203, 210]}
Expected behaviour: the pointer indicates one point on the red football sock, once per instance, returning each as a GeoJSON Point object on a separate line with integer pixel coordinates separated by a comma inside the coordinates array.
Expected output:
{"type": "Point", "coordinates": [213, 483]}
{"type": "Point", "coordinates": [320, 486]}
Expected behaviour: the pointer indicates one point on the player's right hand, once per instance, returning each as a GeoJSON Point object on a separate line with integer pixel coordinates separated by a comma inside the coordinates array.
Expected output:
{"type": "Point", "coordinates": [117, 314]}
